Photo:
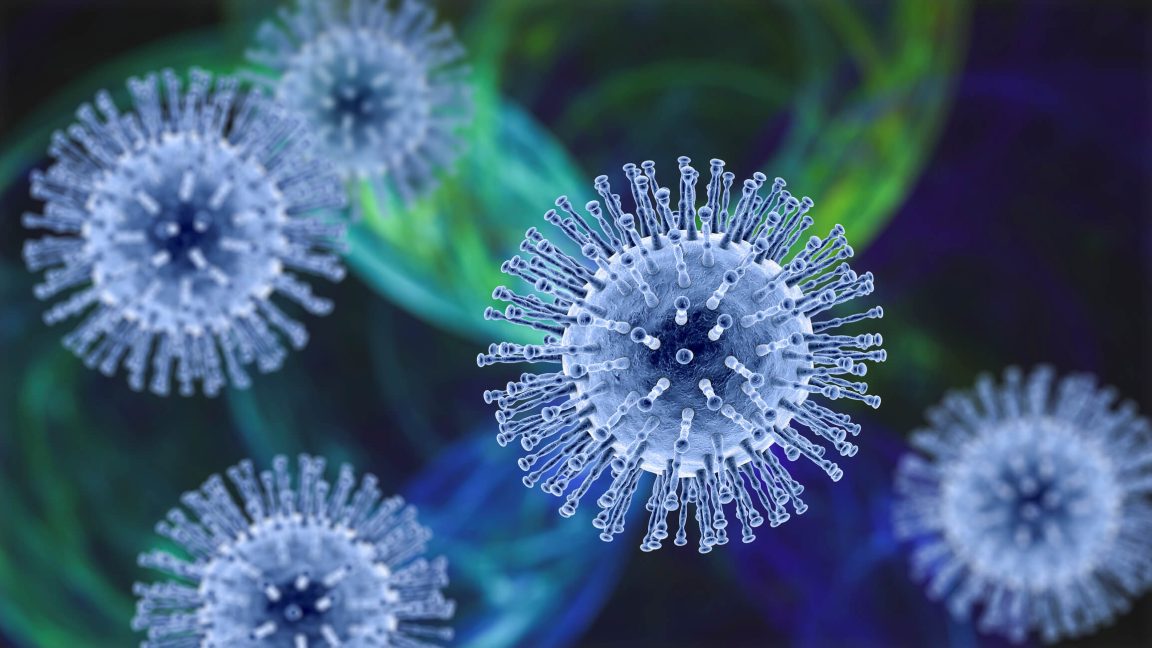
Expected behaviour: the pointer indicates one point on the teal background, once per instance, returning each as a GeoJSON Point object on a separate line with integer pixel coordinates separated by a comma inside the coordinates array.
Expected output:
{"type": "Point", "coordinates": [990, 165]}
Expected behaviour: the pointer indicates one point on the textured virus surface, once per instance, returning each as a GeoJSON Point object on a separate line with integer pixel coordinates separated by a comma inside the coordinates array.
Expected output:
{"type": "Point", "coordinates": [689, 346]}
{"type": "Point", "coordinates": [1030, 500]}
{"type": "Point", "coordinates": [383, 88]}
{"type": "Point", "coordinates": [174, 224]}
{"type": "Point", "coordinates": [293, 565]}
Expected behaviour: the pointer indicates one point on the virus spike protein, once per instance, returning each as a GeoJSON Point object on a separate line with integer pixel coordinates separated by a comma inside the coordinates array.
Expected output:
{"type": "Point", "coordinates": [293, 565]}
{"type": "Point", "coordinates": [174, 224]}
{"type": "Point", "coordinates": [383, 88]}
{"type": "Point", "coordinates": [1031, 500]}
{"type": "Point", "coordinates": [688, 344]}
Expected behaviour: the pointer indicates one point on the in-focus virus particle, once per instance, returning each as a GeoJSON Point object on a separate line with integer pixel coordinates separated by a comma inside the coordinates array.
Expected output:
{"type": "Point", "coordinates": [383, 88]}
{"type": "Point", "coordinates": [689, 344]}
{"type": "Point", "coordinates": [1030, 500]}
{"type": "Point", "coordinates": [293, 565]}
{"type": "Point", "coordinates": [174, 224]}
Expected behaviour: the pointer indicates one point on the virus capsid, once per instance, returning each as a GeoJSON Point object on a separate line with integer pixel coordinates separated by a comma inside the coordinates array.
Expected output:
{"type": "Point", "coordinates": [293, 565]}
{"type": "Point", "coordinates": [1030, 500]}
{"type": "Point", "coordinates": [384, 89]}
{"type": "Point", "coordinates": [688, 345]}
{"type": "Point", "coordinates": [176, 224]}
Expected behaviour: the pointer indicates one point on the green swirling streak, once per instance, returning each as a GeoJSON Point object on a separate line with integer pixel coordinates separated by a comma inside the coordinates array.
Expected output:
{"type": "Point", "coordinates": [859, 98]}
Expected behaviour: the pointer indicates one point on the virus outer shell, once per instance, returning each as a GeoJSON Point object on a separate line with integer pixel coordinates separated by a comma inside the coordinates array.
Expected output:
{"type": "Point", "coordinates": [688, 345]}
{"type": "Point", "coordinates": [1032, 502]}
{"type": "Point", "coordinates": [383, 89]}
{"type": "Point", "coordinates": [177, 222]}
{"type": "Point", "coordinates": [293, 565]}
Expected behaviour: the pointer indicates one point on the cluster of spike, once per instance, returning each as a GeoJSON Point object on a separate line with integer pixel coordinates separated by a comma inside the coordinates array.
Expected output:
{"type": "Point", "coordinates": [687, 345]}
{"type": "Point", "coordinates": [293, 565]}
{"type": "Point", "coordinates": [1033, 503]}
{"type": "Point", "coordinates": [384, 90]}
{"type": "Point", "coordinates": [177, 222]}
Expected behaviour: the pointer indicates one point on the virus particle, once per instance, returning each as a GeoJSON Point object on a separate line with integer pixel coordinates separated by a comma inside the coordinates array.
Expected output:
{"type": "Point", "coordinates": [1030, 500]}
{"type": "Point", "coordinates": [688, 345]}
{"type": "Point", "coordinates": [293, 565]}
{"type": "Point", "coordinates": [174, 224]}
{"type": "Point", "coordinates": [383, 89]}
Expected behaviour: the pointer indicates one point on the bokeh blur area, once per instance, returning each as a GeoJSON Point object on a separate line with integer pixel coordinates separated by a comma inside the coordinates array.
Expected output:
{"type": "Point", "coordinates": [990, 161]}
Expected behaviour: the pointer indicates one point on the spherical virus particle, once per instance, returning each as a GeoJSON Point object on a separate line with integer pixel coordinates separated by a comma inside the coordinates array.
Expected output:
{"type": "Point", "coordinates": [688, 346]}
{"type": "Point", "coordinates": [175, 224]}
{"type": "Point", "coordinates": [293, 565]}
{"type": "Point", "coordinates": [1030, 500]}
{"type": "Point", "coordinates": [384, 89]}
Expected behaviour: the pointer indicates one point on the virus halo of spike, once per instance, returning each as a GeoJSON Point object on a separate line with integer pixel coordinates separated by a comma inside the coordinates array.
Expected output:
{"type": "Point", "coordinates": [293, 562]}
{"type": "Point", "coordinates": [689, 343]}
{"type": "Point", "coordinates": [383, 87]}
{"type": "Point", "coordinates": [1028, 504]}
{"type": "Point", "coordinates": [174, 224]}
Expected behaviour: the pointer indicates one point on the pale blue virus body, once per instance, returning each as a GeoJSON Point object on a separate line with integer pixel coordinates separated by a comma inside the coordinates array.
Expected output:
{"type": "Point", "coordinates": [689, 344]}
{"type": "Point", "coordinates": [294, 565]}
{"type": "Point", "coordinates": [382, 87]}
{"type": "Point", "coordinates": [173, 225]}
{"type": "Point", "coordinates": [1030, 501]}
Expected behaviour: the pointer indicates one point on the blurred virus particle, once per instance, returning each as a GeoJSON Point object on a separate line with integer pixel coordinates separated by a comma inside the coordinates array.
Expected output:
{"type": "Point", "coordinates": [293, 565]}
{"type": "Point", "coordinates": [175, 224]}
{"type": "Point", "coordinates": [688, 345]}
{"type": "Point", "coordinates": [1030, 500]}
{"type": "Point", "coordinates": [383, 88]}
